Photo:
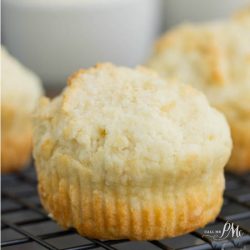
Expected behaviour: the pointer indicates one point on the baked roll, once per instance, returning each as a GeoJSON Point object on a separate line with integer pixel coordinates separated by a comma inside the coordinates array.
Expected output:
{"type": "Point", "coordinates": [122, 153]}
{"type": "Point", "coordinates": [20, 92]}
{"type": "Point", "coordinates": [214, 58]}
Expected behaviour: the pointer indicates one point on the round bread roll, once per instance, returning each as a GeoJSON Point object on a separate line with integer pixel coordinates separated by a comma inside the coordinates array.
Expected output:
{"type": "Point", "coordinates": [20, 92]}
{"type": "Point", "coordinates": [122, 153]}
{"type": "Point", "coordinates": [214, 58]}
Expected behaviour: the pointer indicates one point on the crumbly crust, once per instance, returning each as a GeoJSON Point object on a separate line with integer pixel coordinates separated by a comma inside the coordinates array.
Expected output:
{"type": "Point", "coordinates": [215, 58]}
{"type": "Point", "coordinates": [152, 150]}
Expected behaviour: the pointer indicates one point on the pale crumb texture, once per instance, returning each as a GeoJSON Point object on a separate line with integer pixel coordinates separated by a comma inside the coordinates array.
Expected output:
{"type": "Point", "coordinates": [20, 91]}
{"type": "Point", "coordinates": [122, 153]}
{"type": "Point", "coordinates": [215, 58]}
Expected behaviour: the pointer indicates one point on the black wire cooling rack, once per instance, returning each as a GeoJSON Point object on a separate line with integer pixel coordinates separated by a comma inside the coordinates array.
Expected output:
{"type": "Point", "coordinates": [26, 226]}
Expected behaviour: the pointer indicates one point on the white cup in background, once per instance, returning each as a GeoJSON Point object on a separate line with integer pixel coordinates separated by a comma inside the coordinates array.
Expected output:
{"type": "Point", "coordinates": [178, 11]}
{"type": "Point", "coordinates": [57, 37]}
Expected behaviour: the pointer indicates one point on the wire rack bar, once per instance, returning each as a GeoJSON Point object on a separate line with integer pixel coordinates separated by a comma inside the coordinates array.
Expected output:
{"type": "Point", "coordinates": [25, 225]}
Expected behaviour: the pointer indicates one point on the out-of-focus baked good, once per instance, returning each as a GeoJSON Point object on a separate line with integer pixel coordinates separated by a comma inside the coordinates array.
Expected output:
{"type": "Point", "coordinates": [122, 153]}
{"type": "Point", "coordinates": [243, 15]}
{"type": "Point", "coordinates": [215, 58]}
{"type": "Point", "coordinates": [20, 92]}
